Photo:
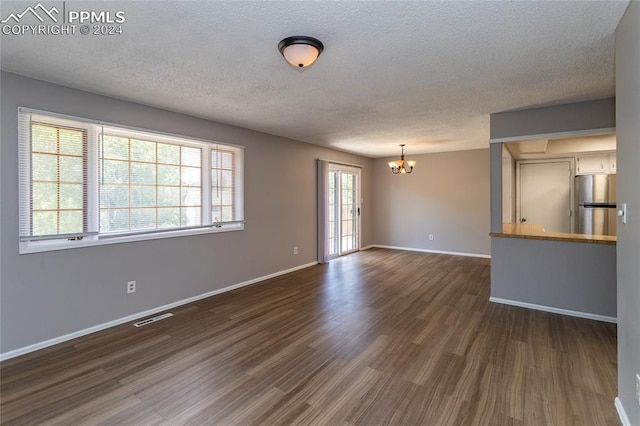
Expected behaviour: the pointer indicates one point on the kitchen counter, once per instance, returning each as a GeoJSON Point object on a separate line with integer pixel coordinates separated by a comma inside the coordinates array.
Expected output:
{"type": "Point", "coordinates": [533, 231]}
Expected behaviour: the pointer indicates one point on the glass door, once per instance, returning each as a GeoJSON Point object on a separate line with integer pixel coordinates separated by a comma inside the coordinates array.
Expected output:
{"type": "Point", "coordinates": [344, 210]}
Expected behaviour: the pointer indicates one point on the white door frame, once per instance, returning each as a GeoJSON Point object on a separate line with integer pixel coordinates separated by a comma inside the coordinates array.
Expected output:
{"type": "Point", "coordinates": [334, 167]}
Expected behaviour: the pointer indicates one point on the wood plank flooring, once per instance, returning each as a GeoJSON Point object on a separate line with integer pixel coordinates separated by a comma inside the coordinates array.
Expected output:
{"type": "Point", "coordinates": [376, 337]}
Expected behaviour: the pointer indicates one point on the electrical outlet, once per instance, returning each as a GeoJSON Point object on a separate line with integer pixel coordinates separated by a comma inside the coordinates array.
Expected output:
{"type": "Point", "coordinates": [430, 237]}
{"type": "Point", "coordinates": [295, 250]}
{"type": "Point", "coordinates": [638, 388]}
{"type": "Point", "coordinates": [131, 287]}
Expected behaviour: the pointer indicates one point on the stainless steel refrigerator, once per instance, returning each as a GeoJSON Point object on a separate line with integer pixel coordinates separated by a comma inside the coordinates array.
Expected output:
{"type": "Point", "coordinates": [595, 204]}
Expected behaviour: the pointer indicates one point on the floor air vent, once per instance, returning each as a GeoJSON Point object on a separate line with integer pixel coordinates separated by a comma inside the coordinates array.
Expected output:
{"type": "Point", "coordinates": [152, 320]}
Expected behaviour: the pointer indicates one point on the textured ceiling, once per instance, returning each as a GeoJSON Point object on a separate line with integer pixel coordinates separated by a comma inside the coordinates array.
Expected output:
{"type": "Point", "coordinates": [425, 73]}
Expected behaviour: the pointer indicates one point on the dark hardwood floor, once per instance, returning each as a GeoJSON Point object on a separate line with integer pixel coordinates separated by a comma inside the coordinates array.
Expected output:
{"type": "Point", "coordinates": [376, 337]}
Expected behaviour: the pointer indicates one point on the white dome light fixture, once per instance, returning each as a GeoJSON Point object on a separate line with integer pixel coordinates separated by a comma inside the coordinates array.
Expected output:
{"type": "Point", "coordinates": [300, 51]}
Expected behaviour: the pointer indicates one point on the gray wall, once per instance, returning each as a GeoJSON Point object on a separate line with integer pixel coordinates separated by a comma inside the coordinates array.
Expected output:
{"type": "Point", "coordinates": [508, 186]}
{"type": "Point", "coordinates": [447, 195]}
{"type": "Point", "coordinates": [598, 114]}
{"type": "Point", "coordinates": [573, 276]}
{"type": "Point", "coordinates": [46, 295]}
{"type": "Point", "coordinates": [528, 270]}
{"type": "Point", "coordinates": [628, 138]}
{"type": "Point", "coordinates": [495, 164]}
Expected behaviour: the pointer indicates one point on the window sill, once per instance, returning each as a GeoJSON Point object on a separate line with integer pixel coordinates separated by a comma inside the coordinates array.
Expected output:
{"type": "Point", "coordinates": [44, 246]}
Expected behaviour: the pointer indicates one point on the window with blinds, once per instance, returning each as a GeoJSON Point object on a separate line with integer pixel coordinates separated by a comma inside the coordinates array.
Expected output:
{"type": "Point", "coordinates": [53, 178]}
{"type": "Point", "coordinates": [57, 185]}
{"type": "Point", "coordinates": [86, 183]}
{"type": "Point", "coordinates": [222, 185]}
{"type": "Point", "coordinates": [148, 185]}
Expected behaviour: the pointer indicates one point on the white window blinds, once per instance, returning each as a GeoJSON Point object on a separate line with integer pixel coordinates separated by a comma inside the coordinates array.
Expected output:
{"type": "Point", "coordinates": [222, 185]}
{"type": "Point", "coordinates": [53, 178]}
{"type": "Point", "coordinates": [85, 180]}
{"type": "Point", "coordinates": [148, 185]}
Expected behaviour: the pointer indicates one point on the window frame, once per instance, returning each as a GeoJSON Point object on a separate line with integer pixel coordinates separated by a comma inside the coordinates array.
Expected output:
{"type": "Point", "coordinates": [92, 236]}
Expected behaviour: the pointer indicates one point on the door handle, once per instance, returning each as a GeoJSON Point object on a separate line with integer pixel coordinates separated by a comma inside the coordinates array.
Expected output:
{"type": "Point", "coordinates": [358, 211]}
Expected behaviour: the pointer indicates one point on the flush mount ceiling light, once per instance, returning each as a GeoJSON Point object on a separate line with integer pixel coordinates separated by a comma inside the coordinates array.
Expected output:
{"type": "Point", "coordinates": [400, 166]}
{"type": "Point", "coordinates": [300, 51]}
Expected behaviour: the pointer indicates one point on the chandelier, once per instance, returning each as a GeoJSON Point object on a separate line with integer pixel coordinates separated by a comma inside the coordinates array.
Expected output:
{"type": "Point", "coordinates": [400, 166]}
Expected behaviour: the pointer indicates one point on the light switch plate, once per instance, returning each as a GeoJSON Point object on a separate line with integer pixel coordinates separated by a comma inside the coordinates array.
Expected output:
{"type": "Point", "coordinates": [623, 213]}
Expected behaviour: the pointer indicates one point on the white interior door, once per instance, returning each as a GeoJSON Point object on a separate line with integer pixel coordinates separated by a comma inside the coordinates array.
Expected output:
{"type": "Point", "coordinates": [344, 210]}
{"type": "Point", "coordinates": [545, 195]}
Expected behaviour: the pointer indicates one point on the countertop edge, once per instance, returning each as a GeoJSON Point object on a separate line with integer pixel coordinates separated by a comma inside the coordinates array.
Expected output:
{"type": "Point", "coordinates": [552, 238]}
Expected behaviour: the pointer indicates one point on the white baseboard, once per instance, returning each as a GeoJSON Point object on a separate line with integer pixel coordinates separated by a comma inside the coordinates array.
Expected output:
{"type": "Point", "coordinates": [370, 246]}
{"type": "Point", "coordinates": [99, 327]}
{"type": "Point", "coordinates": [622, 415]}
{"type": "Point", "coordinates": [554, 310]}
{"type": "Point", "coordinates": [453, 253]}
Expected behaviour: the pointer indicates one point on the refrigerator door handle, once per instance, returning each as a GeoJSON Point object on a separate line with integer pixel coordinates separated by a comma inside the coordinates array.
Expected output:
{"type": "Point", "coordinates": [599, 206]}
